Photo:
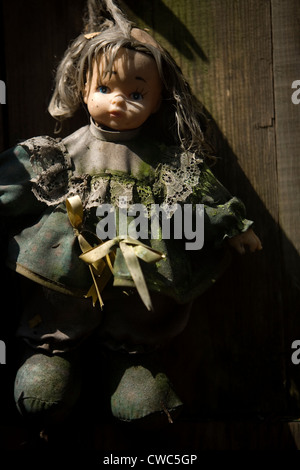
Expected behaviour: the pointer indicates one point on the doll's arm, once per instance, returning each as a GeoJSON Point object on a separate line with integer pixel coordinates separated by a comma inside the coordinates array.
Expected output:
{"type": "Point", "coordinates": [245, 240]}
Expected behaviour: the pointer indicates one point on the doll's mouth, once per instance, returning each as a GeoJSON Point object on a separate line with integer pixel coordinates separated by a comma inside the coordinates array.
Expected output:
{"type": "Point", "coordinates": [115, 113]}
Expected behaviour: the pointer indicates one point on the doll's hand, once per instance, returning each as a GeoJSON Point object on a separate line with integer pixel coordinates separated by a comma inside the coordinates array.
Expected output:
{"type": "Point", "coordinates": [247, 239]}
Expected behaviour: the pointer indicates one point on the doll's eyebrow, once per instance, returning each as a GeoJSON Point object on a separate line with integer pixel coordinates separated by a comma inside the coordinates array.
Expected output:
{"type": "Point", "coordinates": [141, 78]}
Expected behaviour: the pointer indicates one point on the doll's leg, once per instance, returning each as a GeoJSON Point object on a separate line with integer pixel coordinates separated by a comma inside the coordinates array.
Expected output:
{"type": "Point", "coordinates": [140, 388]}
{"type": "Point", "coordinates": [47, 386]}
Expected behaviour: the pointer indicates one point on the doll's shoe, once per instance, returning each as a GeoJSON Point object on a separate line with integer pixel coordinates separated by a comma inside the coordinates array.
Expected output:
{"type": "Point", "coordinates": [140, 388]}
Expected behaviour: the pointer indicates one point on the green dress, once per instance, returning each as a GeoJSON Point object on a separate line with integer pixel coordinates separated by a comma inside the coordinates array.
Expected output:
{"type": "Point", "coordinates": [36, 179]}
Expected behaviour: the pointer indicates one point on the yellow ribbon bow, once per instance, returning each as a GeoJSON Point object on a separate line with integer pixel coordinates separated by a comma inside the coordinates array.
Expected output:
{"type": "Point", "coordinates": [101, 271]}
{"type": "Point", "coordinates": [131, 249]}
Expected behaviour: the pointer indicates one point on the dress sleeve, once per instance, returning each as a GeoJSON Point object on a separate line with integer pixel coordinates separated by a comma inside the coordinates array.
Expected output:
{"type": "Point", "coordinates": [186, 178]}
{"type": "Point", "coordinates": [16, 173]}
{"type": "Point", "coordinates": [225, 215]}
{"type": "Point", "coordinates": [33, 175]}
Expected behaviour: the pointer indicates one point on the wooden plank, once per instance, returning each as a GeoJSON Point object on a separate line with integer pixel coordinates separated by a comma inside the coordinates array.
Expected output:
{"type": "Point", "coordinates": [209, 40]}
{"type": "Point", "coordinates": [286, 36]}
{"type": "Point", "coordinates": [35, 40]}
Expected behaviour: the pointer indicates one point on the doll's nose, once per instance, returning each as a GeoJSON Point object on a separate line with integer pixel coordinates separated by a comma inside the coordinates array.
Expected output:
{"type": "Point", "coordinates": [118, 98]}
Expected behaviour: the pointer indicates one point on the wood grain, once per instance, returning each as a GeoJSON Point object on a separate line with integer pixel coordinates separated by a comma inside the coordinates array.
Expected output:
{"type": "Point", "coordinates": [286, 64]}
{"type": "Point", "coordinates": [286, 17]}
{"type": "Point", "coordinates": [240, 58]}
{"type": "Point", "coordinates": [35, 40]}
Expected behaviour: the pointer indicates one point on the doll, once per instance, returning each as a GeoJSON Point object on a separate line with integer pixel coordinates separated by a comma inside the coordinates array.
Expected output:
{"type": "Point", "coordinates": [122, 298]}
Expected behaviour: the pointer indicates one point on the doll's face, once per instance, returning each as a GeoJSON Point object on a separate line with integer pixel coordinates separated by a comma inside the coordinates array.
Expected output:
{"type": "Point", "coordinates": [125, 99]}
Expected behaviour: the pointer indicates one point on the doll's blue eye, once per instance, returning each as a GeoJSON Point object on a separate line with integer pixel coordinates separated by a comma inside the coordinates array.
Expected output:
{"type": "Point", "coordinates": [103, 89]}
{"type": "Point", "coordinates": [136, 96]}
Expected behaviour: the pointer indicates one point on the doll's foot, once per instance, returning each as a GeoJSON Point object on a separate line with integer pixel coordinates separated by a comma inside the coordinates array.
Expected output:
{"type": "Point", "coordinates": [141, 389]}
{"type": "Point", "coordinates": [47, 387]}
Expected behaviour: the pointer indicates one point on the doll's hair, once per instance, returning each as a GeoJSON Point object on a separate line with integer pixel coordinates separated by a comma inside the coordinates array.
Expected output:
{"type": "Point", "coordinates": [107, 31]}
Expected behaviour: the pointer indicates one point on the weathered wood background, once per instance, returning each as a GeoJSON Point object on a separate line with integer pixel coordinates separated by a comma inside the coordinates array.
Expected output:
{"type": "Point", "coordinates": [233, 361]}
